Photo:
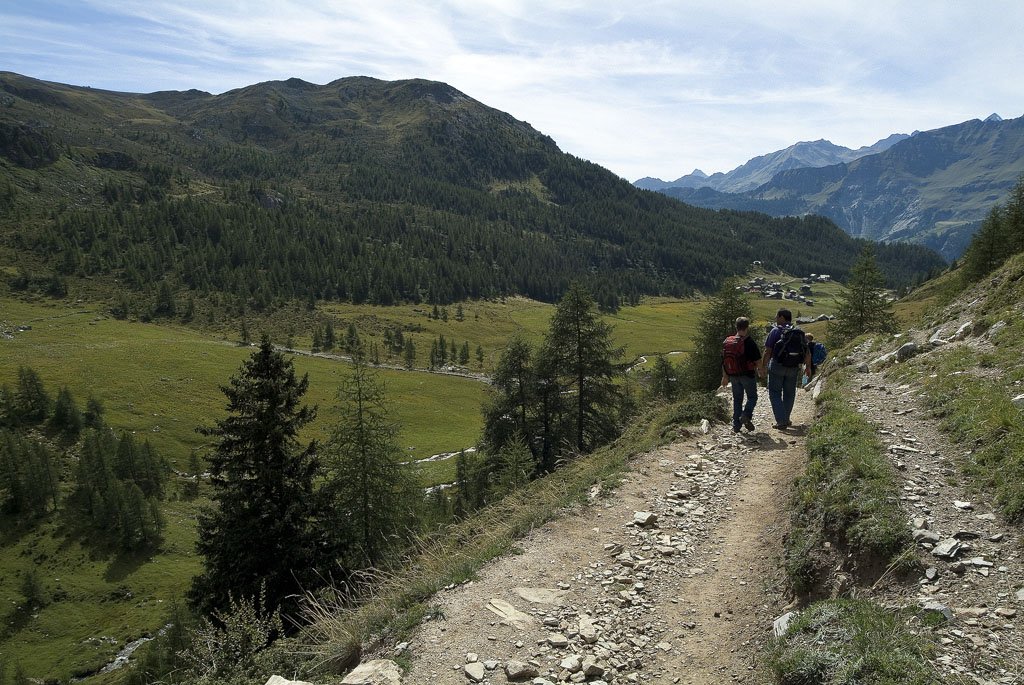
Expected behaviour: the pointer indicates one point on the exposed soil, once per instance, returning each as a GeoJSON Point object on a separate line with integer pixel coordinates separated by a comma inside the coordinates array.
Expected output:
{"type": "Point", "coordinates": [688, 599]}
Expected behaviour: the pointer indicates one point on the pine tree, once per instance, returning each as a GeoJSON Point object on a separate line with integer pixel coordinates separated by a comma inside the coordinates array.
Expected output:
{"type": "Point", "coordinates": [369, 490]}
{"type": "Point", "coordinates": [511, 410]}
{"type": "Point", "coordinates": [862, 307]}
{"type": "Point", "coordinates": [702, 370]}
{"type": "Point", "coordinates": [261, 527]}
{"type": "Point", "coordinates": [329, 340]}
{"type": "Point", "coordinates": [66, 417]}
{"type": "Point", "coordinates": [664, 379]}
{"type": "Point", "coordinates": [353, 344]}
{"type": "Point", "coordinates": [31, 402]}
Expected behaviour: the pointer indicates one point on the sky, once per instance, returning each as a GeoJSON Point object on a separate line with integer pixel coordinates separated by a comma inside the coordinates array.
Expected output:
{"type": "Point", "coordinates": [643, 88]}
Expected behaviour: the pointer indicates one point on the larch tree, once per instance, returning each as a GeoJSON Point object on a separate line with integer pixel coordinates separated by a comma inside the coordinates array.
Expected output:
{"type": "Point", "coordinates": [580, 342]}
{"type": "Point", "coordinates": [370, 493]}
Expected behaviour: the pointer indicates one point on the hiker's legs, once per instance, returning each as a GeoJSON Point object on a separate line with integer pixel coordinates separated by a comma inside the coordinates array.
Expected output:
{"type": "Point", "coordinates": [790, 377]}
{"type": "Point", "coordinates": [736, 382]}
{"type": "Point", "coordinates": [749, 384]}
{"type": "Point", "coordinates": [775, 393]}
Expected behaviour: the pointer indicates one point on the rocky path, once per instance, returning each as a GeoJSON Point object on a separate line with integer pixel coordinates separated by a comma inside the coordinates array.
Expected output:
{"type": "Point", "coordinates": [673, 578]}
{"type": "Point", "coordinates": [974, 560]}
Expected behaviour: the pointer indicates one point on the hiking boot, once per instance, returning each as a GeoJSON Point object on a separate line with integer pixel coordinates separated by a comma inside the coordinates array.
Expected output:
{"type": "Point", "coordinates": [780, 426]}
{"type": "Point", "coordinates": [736, 428]}
{"type": "Point", "coordinates": [748, 424]}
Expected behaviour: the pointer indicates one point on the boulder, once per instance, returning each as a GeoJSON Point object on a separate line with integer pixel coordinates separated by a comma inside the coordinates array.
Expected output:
{"type": "Point", "coordinates": [517, 670]}
{"type": "Point", "coordinates": [994, 330]}
{"type": "Point", "coordinates": [474, 671]}
{"type": "Point", "coordinates": [906, 351]}
{"type": "Point", "coordinates": [376, 672]}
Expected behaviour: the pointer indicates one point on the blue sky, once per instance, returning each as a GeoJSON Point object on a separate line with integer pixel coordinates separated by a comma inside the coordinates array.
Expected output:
{"type": "Point", "coordinates": [642, 88]}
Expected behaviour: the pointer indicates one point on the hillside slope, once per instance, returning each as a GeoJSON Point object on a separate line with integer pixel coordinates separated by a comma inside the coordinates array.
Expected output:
{"type": "Point", "coordinates": [358, 190]}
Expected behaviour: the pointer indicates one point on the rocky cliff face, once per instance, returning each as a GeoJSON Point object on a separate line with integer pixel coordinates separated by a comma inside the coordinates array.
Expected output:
{"type": "Point", "coordinates": [933, 188]}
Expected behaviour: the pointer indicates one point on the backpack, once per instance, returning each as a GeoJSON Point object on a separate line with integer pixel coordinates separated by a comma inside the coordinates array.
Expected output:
{"type": "Point", "coordinates": [791, 348]}
{"type": "Point", "coordinates": [818, 353]}
{"type": "Point", "coordinates": [734, 356]}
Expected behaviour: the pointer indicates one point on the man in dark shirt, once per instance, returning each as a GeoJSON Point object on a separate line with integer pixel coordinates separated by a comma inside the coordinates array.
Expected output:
{"type": "Point", "coordinates": [782, 380]}
{"type": "Point", "coordinates": [744, 383]}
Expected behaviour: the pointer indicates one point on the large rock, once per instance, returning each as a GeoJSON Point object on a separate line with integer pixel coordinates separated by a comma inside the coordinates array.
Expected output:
{"type": "Point", "coordinates": [994, 331]}
{"type": "Point", "coordinates": [947, 549]}
{"type": "Point", "coordinates": [781, 624]}
{"type": "Point", "coordinates": [906, 351]}
{"type": "Point", "coordinates": [964, 330]}
{"type": "Point", "coordinates": [644, 519]}
{"type": "Point", "coordinates": [474, 671]}
{"type": "Point", "coordinates": [517, 670]}
{"type": "Point", "coordinates": [376, 672]}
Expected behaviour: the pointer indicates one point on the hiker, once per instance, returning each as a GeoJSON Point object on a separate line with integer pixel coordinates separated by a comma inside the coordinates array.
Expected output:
{"type": "Point", "coordinates": [740, 357]}
{"type": "Point", "coordinates": [818, 353]}
{"type": "Point", "coordinates": [785, 350]}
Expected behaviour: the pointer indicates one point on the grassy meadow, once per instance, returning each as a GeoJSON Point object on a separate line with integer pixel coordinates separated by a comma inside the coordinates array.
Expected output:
{"type": "Point", "coordinates": [161, 381]}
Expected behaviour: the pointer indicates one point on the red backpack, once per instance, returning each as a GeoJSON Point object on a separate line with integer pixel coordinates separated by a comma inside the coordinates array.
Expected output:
{"type": "Point", "coordinates": [734, 356]}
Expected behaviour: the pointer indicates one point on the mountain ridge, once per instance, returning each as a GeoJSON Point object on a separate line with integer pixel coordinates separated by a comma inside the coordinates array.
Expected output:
{"type": "Point", "coordinates": [759, 170]}
{"type": "Point", "coordinates": [360, 189]}
{"type": "Point", "coordinates": [931, 188]}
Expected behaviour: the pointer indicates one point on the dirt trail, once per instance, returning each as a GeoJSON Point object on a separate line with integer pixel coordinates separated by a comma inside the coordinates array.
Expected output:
{"type": "Point", "coordinates": [687, 599]}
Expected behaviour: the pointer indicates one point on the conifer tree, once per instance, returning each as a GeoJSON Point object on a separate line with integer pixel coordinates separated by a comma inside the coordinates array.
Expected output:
{"type": "Point", "coordinates": [409, 353]}
{"type": "Point", "coordinates": [862, 307]}
{"type": "Point", "coordinates": [66, 417]}
{"type": "Point", "coordinates": [581, 344]}
{"type": "Point", "coordinates": [702, 370]}
{"type": "Point", "coordinates": [370, 492]}
{"type": "Point", "coordinates": [261, 528]}
{"type": "Point", "coordinates": [513, 402]}
{"type": "Point", "coordinates": [664, 379]}
{"type": "Point", "coordinates": [329, 340]}
{"type": "Point", "coordinates": [31, 402]}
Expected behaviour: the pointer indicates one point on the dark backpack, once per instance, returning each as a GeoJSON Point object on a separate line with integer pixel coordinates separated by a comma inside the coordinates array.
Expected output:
{"type": "Point", "coordinates": [791, 348]}
{"type": "Point", "coordinates": [734, 356]}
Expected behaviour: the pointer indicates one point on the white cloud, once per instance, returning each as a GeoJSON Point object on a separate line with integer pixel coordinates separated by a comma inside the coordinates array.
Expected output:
{"type": "Point", "coordinates": [645, 88]}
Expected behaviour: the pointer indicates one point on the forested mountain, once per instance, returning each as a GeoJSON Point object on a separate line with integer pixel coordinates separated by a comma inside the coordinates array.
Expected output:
{"type": "Point", "coordinates": [933, 188]}
{"type": "Point", "coordinates": [360, 190]}
{"type": "Point", "coordinates": [762, 169]}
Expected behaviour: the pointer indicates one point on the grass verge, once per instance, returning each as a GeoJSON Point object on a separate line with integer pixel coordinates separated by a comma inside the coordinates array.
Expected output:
{"type": "Point", "coordinates": [847, 642]}
{"type": "Point", "coordinates": [979, 415]}
{"type": "Point", "coordinates": [846, 504]}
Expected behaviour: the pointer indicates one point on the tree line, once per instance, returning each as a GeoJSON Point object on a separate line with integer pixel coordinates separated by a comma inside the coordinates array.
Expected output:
{"type": "Point", "coordinates": [116, 483]}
